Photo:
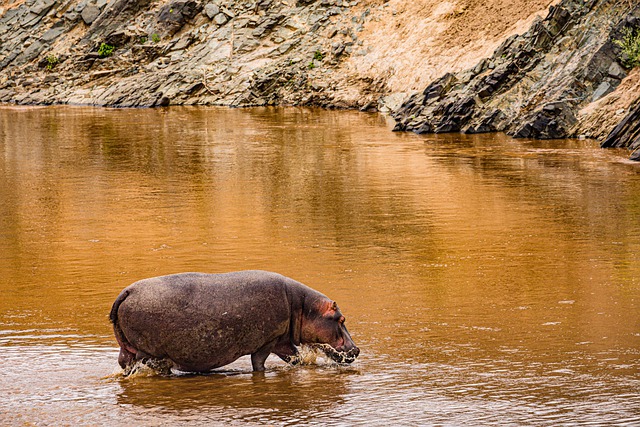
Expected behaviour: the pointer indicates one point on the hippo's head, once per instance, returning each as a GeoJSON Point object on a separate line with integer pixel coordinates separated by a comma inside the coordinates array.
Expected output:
{"type": "Point", "coordinates": [323, 328]}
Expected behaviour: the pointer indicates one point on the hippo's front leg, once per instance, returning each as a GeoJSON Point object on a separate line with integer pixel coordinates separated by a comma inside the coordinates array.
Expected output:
{"type": "Point", "coordinates": [260, 356]}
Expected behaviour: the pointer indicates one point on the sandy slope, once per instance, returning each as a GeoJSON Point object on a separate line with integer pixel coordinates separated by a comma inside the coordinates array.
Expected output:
{"type": "Point", "coordinates": [418, 41]}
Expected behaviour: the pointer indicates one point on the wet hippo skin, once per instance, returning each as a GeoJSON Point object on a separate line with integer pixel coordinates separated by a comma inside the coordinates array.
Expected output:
{"type": "Point", "coordinates": [197, 322]}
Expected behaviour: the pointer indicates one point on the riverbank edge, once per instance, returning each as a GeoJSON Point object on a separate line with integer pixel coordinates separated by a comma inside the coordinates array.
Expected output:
{"type": "Point", "coordinates": [564, 77]}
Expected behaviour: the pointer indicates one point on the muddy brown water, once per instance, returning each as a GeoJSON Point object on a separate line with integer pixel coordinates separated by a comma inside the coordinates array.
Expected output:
{"type": "Point", "coordinates": [487, 281]}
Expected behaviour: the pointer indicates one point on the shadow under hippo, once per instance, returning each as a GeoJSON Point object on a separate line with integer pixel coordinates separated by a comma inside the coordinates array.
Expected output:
{"type": "Point", "coordinates": [197, 322]}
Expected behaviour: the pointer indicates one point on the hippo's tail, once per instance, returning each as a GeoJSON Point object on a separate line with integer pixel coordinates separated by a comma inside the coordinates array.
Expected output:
{"type": "Point", "coordinates": [113, 315]}
{"type": "Point", "coordinates": [127, 351]}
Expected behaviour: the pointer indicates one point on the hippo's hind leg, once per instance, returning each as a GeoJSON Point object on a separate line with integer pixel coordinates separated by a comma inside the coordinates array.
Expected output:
{"type": "Point", "coordinates": [131, 363]}
{"type": "Point", "coordinates": [126, 358]}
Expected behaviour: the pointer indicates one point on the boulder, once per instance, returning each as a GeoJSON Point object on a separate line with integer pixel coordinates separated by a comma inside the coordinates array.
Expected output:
{"type": "Point", "coordinates": [52, 34]}
{"type": "Point", "coordinates": [114, 18]}
{"type": "Point", "coordinates": [41, 7]}
{"type": "Point", "coordinates": [90, 13]}
{"type": "Point", "coordinates": [220, 19]}
{"type": "Point", "coordinates": [175, 14]}
{"type": "Point", "coordinates": [616, 71]}
{"type": "Point", "coordinates": [603, 89]}
{"type": "Point", "coordinates": [211, 10]}
{"type": "Point", "coordinates": [627, 133]}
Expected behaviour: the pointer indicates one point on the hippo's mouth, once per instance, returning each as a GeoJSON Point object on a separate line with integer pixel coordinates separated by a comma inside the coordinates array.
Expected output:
{"type": "Point", "coordinates": [340, 357]}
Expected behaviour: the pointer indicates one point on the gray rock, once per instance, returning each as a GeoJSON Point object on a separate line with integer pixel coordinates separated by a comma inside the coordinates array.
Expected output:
{"type": "Point", "coordinates": [603, 89]}
{"type": "Point", "coordinates": [266, 26]}
{"type": "Point", "coordinates": [184, 42]}
{"type": "Point", "coordinates": [90, 13]}
{"type": "Point", "coordinates": [285, 47]}
{"type": "Point", "coordinates": [9, 58]}
{"type": "Point", "coordinates": [6, 95]}
{"type": "Point", "coordinates": [227, 12]}
{"type": "Point", "coordinates": [616, 71]}
{"type": "Point", "coordinates": [81, 6]}
{"type": "Point", "coordinates": [220, 19]}
{"type": "Point", "coordinates": [71, 16]}
{"type": "Point", "coordinates": [41, 7]}
{"type": "Point", "coordinates": [51, 78]}
{"type": "Point", "coordinates": [10, 17]}
{"type": "Point", "coordinates": [52, 34]}
{"type": "Point", "coordinates": [211, 10]}
{"type": "Point", "coordinates": [176, 56]}
{"type": "Point", "coordinates": [114, 17]}
{"type": "Point", "coordinates": [32, 51]}
{"type": "Point", "coordinates": [30, 20]}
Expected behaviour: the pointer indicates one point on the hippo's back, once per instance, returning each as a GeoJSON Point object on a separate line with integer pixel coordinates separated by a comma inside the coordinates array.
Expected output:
{"type": "Point", "coordinates": [203, 321]}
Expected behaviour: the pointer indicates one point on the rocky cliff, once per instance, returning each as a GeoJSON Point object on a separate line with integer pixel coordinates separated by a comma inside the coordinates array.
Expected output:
{"type": "Point", "coordinates": [526, 67]}
{"type": "Point", "coordinates": [541, 84]}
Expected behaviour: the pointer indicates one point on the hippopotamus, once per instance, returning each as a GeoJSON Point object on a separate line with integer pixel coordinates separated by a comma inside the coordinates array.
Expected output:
{"type": "Point", "coordinates": [196, 322]}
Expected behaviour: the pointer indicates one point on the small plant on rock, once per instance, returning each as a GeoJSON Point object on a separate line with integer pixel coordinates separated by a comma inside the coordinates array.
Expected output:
{"type": "Point", "coordinates": [52, 61]}
{"type": "Point", "coordinates": [105, 50]}
{"type": "Point", "coordinates": [630, 45]}
{"type": "Point", "coordinates": [155, 37]}
{"type": "Point", "coordinates": [318, 56]}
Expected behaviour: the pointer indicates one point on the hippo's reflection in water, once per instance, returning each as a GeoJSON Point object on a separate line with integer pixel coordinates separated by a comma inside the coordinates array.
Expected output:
{"type": "Point", "coordinates": [291, 392]}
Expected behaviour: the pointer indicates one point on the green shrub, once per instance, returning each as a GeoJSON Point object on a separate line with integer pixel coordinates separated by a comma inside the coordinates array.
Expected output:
{"type": "Point", "coordinates": [318, 56]}
{"type": "Point", "coordinates": [630, 45]}
{"type": "Point", "coordinates": [155, 37]}
{"type": "Point", "coordinates": [105, 50]}
{"type": "Point", "coordinates": [52, 61]}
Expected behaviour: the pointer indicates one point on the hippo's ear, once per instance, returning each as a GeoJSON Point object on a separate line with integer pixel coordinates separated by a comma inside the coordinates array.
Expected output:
{"type": "Point", "coordinates": [329, 308]}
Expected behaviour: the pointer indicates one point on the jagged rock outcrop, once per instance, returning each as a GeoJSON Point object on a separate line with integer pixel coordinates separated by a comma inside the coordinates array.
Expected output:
{"type": "Point", "coordinates": [142, 53]}
{"type": "Point", "coordinates": [535, 83]}
{"type": "Point", "coordinates": [627, 133]}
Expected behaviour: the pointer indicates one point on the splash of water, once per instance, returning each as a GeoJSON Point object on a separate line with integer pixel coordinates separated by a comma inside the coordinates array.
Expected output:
{"type": "Point", "coordinates": [340, 357]}
{"type": "Point", "coordinates": [144, 368]}
{"type": "Point", "coordinates": [308, 355]}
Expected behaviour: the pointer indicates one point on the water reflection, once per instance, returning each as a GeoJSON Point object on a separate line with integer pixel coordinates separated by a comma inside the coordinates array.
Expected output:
{"type": "Point", "coordinates": [277, 396]}
{"type": "Point", "coordinates": [486, 280]}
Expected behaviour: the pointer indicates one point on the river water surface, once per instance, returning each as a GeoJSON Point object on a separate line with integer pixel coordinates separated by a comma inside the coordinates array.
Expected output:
{"type": "Point", "coordinates": [487, 281]}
